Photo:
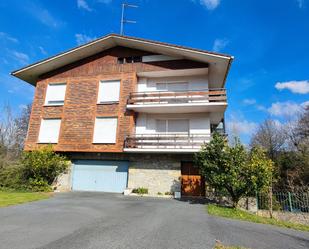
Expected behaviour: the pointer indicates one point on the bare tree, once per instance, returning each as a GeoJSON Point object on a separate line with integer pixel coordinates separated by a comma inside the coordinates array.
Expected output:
{"type": "Point", "coordinates": [13, 132]}
{"type": "Point", "coordinates": [270, 136]}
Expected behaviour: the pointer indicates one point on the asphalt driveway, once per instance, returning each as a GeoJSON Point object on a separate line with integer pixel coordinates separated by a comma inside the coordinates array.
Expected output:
{"type": "Point", "coordinates": [96, 220]}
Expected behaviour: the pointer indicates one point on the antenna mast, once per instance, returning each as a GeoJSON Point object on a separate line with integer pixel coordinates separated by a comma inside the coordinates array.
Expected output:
{"type": "Point", "coordinates": [123, 20]}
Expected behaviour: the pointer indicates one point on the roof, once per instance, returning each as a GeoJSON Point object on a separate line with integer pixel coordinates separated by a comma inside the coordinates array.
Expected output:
{"type": "Point", "coordinates": [32, 72]}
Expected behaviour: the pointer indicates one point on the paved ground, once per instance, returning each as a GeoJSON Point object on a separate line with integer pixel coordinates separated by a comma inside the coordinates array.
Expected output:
{"type": "Point", "coordinates": [93, 220]}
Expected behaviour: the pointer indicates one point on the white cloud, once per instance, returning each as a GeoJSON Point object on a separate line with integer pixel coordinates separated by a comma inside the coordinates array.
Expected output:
{"type": "Point", "coordinates": [82, 4]}
{"type": "Point", "coordinates": [210, 4]}
{"type": "Point", "coordinates": [82, 39]}
{"type": "Point", "coordinates": [220, 44]}
{"type": "Point", "coordinates": [42, 50]}
{"type": "Point", "coordinates": [20, 57]}
{"type": "Point", "coordinates": [249, 101]}
{"type": "Point", "coordinates": [237, 125]}
{"type": "Point", "coordinates": [301, 87]}
{"type": "Point", "coordinates": [7, 37]}
{"type": "Point", "coordinates": [43, 15]}
{"type": "Point", "coordinates": [286, 109]}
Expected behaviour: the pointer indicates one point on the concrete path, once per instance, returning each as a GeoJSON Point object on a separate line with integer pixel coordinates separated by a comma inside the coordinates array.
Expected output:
{"type": "Point", "coordinates": [96, 220]}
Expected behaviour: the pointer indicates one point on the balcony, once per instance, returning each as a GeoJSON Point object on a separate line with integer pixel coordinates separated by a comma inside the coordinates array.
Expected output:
{"type": "Point", "coordinates": [208, 100]}
{"type": "Point", "coordinates": [167, 142]}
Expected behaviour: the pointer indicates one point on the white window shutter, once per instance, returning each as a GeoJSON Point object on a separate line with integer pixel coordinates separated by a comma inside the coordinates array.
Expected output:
{"type": "Point", "coordinates": [160, 125]}
{"type": "Point", "coordinates": [105, 130]}
{"type": "Point", "coordinates": [178, 125]}
{"type": "Point", "coordinates": [55, 94]}
{"type": "Point", "coordinates": [49, 130]}
{"type": "Point", "coordinates": [109, 91]}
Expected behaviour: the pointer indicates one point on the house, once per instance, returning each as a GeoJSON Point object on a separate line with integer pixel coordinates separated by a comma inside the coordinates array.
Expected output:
{"type": "Point", "coordinates": [128, 112]}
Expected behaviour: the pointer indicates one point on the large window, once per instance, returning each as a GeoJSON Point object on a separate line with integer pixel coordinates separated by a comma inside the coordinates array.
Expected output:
{"type": "Point", "coordinates": [49, 131]}
{"type": "Point", "coordinates": [55, 94]}
{"type": "Point", "coordinates": [172, 125]}
{"type": "Point", "coordinates": [105, 130]}
{"type": "Point", "coordinates": [171, 87]}
{"type": "Point", "coordinates": [109, 91]}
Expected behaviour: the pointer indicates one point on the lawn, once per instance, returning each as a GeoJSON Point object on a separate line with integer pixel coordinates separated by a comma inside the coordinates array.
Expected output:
{"type": "Point", "coordinates": [243, 215]}
{"type": "Point", "coordinates": [8, 198]}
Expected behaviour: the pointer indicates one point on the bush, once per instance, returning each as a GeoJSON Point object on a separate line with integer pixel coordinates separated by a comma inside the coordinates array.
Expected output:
{"type": "Point", "coordinates": [10, 177]}
{"type": "Point", "coordinates": [36, 170]}
{"type": "Point", "coordinates": [140, 191]}
{"type": "Point", "coordinates": [42, 165]}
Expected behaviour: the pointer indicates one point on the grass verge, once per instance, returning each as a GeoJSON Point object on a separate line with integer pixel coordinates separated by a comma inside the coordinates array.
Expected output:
{"type": "Point", "coordinates": [8, 198]}
{"type": "Point", "coordinates": [243, 215]}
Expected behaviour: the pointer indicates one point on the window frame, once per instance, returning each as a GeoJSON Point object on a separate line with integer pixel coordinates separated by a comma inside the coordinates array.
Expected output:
{"type": "Point", "coordinates": [45, 142]}
{"type": "Point", "coordinates": [116, 130]}
{"type": "Point", "coordinates": [99, 102]}
{"type": "Point", "coordinates": [167, 120]}
{"type": "Point", "coordinates": [46, 93]}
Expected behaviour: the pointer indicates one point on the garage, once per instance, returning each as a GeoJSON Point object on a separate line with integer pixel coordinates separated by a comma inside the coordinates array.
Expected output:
{"type": "Point", "coordinates": [97, 175]}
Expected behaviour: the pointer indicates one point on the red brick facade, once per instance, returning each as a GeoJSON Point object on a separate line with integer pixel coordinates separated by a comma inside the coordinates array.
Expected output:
{"type": "Point", "coordinates": [80, 107]}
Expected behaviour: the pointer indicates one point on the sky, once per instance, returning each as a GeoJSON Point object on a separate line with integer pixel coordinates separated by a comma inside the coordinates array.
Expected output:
{"type": "Point", "coordinates": [269, 40]}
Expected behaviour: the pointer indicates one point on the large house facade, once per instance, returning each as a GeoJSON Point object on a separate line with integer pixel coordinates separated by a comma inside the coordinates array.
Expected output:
{"type": "Point", "coordinates": [128, 113]}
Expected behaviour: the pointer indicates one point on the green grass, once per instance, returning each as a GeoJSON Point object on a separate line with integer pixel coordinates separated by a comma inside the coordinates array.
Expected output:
{"type": "Point", "coordinates": [243, 215]}
{"type": "Point", "coordinates": [8, 198]}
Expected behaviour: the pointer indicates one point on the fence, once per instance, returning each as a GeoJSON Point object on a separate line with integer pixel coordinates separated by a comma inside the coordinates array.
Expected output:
{"type": "Point", "coordinates": [285, 201]}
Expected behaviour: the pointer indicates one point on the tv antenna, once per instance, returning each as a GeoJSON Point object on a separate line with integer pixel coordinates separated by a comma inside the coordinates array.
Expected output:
{"type": "Point", "coordinates": [123, 20]}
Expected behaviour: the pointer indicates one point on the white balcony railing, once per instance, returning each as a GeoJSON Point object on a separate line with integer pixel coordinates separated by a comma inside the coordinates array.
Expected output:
{"type": "Point", "coordinates": [177, 97]}
{"type": "Point", "coordinates": [166, 141]}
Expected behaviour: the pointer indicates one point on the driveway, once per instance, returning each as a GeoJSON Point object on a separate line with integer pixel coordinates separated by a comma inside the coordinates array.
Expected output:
{"type": "Point", "coordinates": [95, 220]}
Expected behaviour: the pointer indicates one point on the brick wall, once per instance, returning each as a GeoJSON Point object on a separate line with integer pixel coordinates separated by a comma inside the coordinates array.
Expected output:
{"type": "Point", "coordinates": [80, 108]}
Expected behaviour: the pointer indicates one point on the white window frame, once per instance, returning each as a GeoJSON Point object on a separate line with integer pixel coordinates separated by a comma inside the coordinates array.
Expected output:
{"type": "Point", "coordinates": [50, 140]}
{"type": "Point", "coordinates": [167, 84]}
{"type": "Point", "coordinates": [57, 102]}
{"type": "Point", "coordinates": [100, 94]}
{"type": "Point", "coordinates": [167, 125]}
{"type": "Point", "coordinates": [96, 140]}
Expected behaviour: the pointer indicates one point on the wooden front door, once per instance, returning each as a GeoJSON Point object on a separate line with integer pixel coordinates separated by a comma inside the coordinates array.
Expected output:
{"type": "Point", "coordinates": [192, 183]}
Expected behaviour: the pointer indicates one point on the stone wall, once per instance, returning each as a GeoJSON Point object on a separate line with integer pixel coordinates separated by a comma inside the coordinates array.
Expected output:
{"type": "Point", "coordinates": [63, 182]}
{"type": "Point", "coordinates": [301, 218]}
{"type": "Point", "coordinates": [156, 173]}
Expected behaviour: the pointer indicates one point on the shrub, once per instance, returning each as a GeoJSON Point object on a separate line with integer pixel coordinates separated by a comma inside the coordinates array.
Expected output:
{"type": "Point", "coordinates": [42, 165]}
{"type": "Point", "coordinates": [140, 191]}
{"type": "Point", "coordinates": [159, 193]}
{"type": "Point", "coordinates": [168, 193]}
{"type": "Point", "coordinates": [10, 177]}
{"type": "Point", "coordinates": [36, 170]}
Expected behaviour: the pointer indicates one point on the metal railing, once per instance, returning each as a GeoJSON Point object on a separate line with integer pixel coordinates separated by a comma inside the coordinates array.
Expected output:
{"type": "Point", "coordinates": [166, 141]}
{"type": "Point", "coordinates": [190, 96]}
{"type": "Point", "coordinates": [285, 201]}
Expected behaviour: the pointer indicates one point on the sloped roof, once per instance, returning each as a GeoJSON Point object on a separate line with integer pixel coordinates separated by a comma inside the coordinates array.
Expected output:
{"type": "Point", "coordinates": [32, 72]}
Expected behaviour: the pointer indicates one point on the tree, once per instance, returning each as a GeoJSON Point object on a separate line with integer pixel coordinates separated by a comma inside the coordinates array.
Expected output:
{"type": "Point", "coordinates": [270, 136]}
{"type": "Point", "coordinates": [233, 168]}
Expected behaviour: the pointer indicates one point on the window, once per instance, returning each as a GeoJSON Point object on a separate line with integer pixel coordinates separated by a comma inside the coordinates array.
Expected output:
{"type": "Point", "coordinates": [172, 125]}
{"type": "Point", "coordinates": [130, 59]}
{"type": "Point", "coordinates": [105, 130]}
{"type": "Point", "coordinates": [55, 94]}
{"type": "Point", "coordinates": [109, 91]}
{"type": "Point", "coordinates": [49, 130]}
{"type": "Point", "coordinates": [171, 87]}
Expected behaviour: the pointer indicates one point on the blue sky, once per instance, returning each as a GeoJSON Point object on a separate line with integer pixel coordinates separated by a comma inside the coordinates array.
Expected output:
{"type": "Point", "coordinates": [269, 40]}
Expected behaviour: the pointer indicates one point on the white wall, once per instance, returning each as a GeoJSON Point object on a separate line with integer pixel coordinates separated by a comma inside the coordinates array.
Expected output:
{"type": "Point", "coordinates": [198, 122]}
{"type": "Point", "coordinates": [195, 82]}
